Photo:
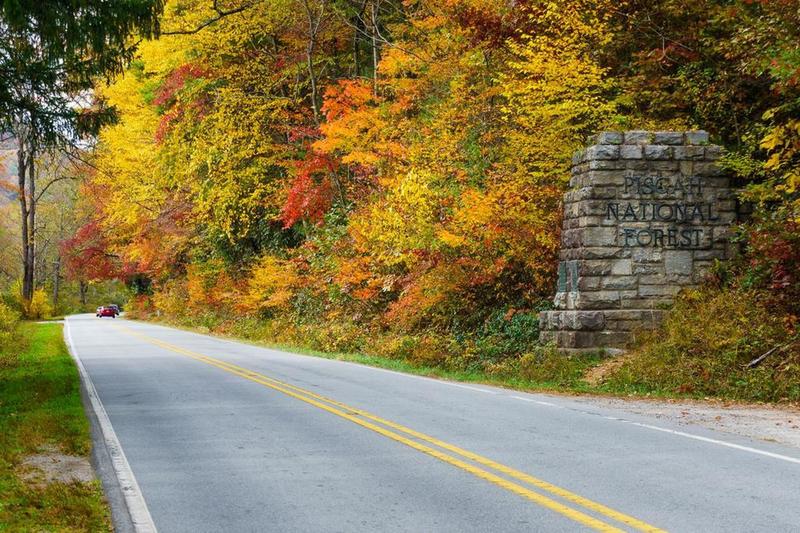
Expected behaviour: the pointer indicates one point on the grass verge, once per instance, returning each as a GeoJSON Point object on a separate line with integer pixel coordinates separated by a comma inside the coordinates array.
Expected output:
{"type": "Point", "coordinates": [40, 408]}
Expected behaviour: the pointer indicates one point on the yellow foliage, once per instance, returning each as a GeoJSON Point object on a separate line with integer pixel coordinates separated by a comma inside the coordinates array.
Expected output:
{"type": "Point", "coordinates": [272, 284]}
{"type": "Point", "coordinates": [403, 222]}
{"type": "Point", "coordinates": [39, 307]}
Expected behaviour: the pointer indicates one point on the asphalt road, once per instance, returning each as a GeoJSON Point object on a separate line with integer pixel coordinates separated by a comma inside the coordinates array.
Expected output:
{"type": "Point", "coordinates": [224, 436]}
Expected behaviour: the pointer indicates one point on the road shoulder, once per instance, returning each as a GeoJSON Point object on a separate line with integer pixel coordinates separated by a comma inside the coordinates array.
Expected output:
{"type": "Point", "coordinates": [129, 511]}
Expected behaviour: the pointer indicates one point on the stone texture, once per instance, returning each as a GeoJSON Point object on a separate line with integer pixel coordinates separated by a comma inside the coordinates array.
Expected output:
{"type": "Point", "coordinates": [602, 151]}
{"type": "Point", "coordinates": [658, 151]}
{"type": "Point", "coordinates": [690, 152]}
{"type": "Point", "coordinates": [668, 137]}
{"type": "Point", "coordinates": [631, 151]}
{"type": "Point", "coordinates": [696, 137]}
{"type": "Point", "coordinates": [671, 210]}
{"type": "Point", "coordinates": [678, 262]}
{"type": "Point", "coordinates": [608, 137]}
{"type": "Point", "coordinates": [637, 137]}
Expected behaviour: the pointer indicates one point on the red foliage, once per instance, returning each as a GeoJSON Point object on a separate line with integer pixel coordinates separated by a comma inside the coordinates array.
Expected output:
{"type": "Point", "coordinates": [166, 96]}
{"type": "Point", "coordinates": [176, 81]}
{"type": "Point", "coordinates": [86, 256]}
{"type": "Point", "coordinates": [775, 251]}
{"type": "Point", "coordinates": [490, 27]}
{"type": "Point", "coordinates": [311, 193]}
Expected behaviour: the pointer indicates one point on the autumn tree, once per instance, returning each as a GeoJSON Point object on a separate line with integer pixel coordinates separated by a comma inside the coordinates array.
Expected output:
{"type": "Point", "coordinates": [52, 53]}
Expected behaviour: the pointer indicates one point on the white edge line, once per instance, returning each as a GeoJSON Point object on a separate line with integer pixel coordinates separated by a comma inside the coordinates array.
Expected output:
{"type": "Point", "coordinates": [718, 442]}
{"type": "Point", "coordinates": [540, 402]}
{"type": "Point", "coordinates": [137, 508]}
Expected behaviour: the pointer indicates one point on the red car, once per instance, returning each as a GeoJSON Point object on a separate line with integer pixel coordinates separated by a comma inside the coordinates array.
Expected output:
{"type": "Point", "coordinates": [106, 311]}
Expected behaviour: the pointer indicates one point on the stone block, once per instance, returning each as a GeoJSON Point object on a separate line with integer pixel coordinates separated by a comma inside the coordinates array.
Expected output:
{"type": "Point", "coordinates": [644, 315]}
{"type": "Point", "coordinates": [575, 320]}
{"type": "Point", "coordinates": [597, 252]}
{"type": "Point", "coordinates": [631, 151]}
{"type": "Point", "coordinates": [605, 177]}
{"type": "Point", "coordinates": [602, 152]}
{"type": "Point", "coordinates": [600, 236]}
{"type": "Point", "coordinates": [597, 300]}
{"type": "Point", "coordinates": [668, 137]}
{"type": "Point", "coordinates": [606, 164]}
{"type": "Point", "coordinates": [546, 336]}
{"type": "Point", "coordinates": [607, 339]}
{"type": "Point", "coordinates": [608, 137]}
{"type": "Point", "coordinates": [658, 290]}
{"type": "Point", "coordinates": [713, 152]}
{"type": "Point", "coordinates": [650, 269]}
{"type": "Point", "coordinates": [693, 153]}
{"type": "Point", "coordinates": [622, 267]}
{"type": "Point", "coordinates": [707, 168]}
{"type": "Point", "coordinates": [642, 302]}
{"type": "Point", "coordinates": [595, 268]}
{"type": "Point", "coordinates": [653, 279]}
{"type": "Point", "coordinates": [637, 165]}
{"type": "Point", "coordinates": [696, 137]}
{"type": "Point", "coordinates": [658, 151]}
{"type": "Point", "coordinates": [577, 157]}
{"type": "Point", "coordinates": [678, 262]}
{"type": "Point", "coordinates": [663, 165]}
{"type": "Point", "coordinates": [585, 339]}
{"type": "Point", "coordinates": [646, 255]}
{"type": "Point", "coordinates": [619, 282]}
{"type": "Point", "coordinates": [589, 283]}
{"type": "Point", "coordinates": [638, 137]}
{"type": "Point", "coordinates": [708, 255]}
{"type": "Point", "coordinates": [589, 320]}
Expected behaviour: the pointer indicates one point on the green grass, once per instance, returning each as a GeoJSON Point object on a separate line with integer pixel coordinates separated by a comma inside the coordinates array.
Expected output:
{"type": "Point", "coordinates": [40, 407]}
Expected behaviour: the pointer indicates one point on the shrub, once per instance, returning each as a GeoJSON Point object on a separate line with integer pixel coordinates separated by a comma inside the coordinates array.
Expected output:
{"type": "Point", "coordinates": [706, 343]}
{"type": "Point", "coordinates": [9, 318]}
{"type": "Point", "coordinates": [548, 365]}
{"type": "Point", "coordinates": [39, 307]}
{"type": "Point", "coordinates": [172, 299]}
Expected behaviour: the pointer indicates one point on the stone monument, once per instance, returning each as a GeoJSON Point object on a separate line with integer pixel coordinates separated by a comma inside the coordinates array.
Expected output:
{"type": "Point", "coordinates": [647, 213]}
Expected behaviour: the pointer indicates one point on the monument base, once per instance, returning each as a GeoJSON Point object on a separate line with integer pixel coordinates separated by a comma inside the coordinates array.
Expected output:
{"type": "Point", "coordinates": [586, 330]}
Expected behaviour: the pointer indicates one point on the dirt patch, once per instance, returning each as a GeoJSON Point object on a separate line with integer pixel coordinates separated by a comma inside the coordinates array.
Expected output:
{"type": "Point", "coordinates": [51, 466]}
{"type": "Point", "coordinates": [597, 374]}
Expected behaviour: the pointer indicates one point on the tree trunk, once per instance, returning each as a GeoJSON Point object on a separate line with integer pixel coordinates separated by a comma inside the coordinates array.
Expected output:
{"type": "Point", "coordinates": [375, 53]}
{"type": "Point", "coordinates": [83, 288]}
{"type": "Point", "coordinates": [314, 22]}
{"type": "Point", "coordinates": [30, 265]}
{"type": "Point", "coordinates": [56, 281]}
{"type": "Point", "coordinates": [27, 217]}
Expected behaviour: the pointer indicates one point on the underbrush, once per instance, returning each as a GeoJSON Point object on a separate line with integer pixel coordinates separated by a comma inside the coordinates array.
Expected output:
{"type": "Point", "coordinates": [727, 343]}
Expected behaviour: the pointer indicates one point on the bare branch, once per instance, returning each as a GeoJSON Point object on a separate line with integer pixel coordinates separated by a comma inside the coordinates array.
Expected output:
{"type": "Point", "coordinates": [220, 14]}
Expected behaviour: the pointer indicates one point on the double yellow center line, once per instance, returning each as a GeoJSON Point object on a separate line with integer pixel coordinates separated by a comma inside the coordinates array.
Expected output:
{"type": "Point", "coordinates": [457, 457]}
